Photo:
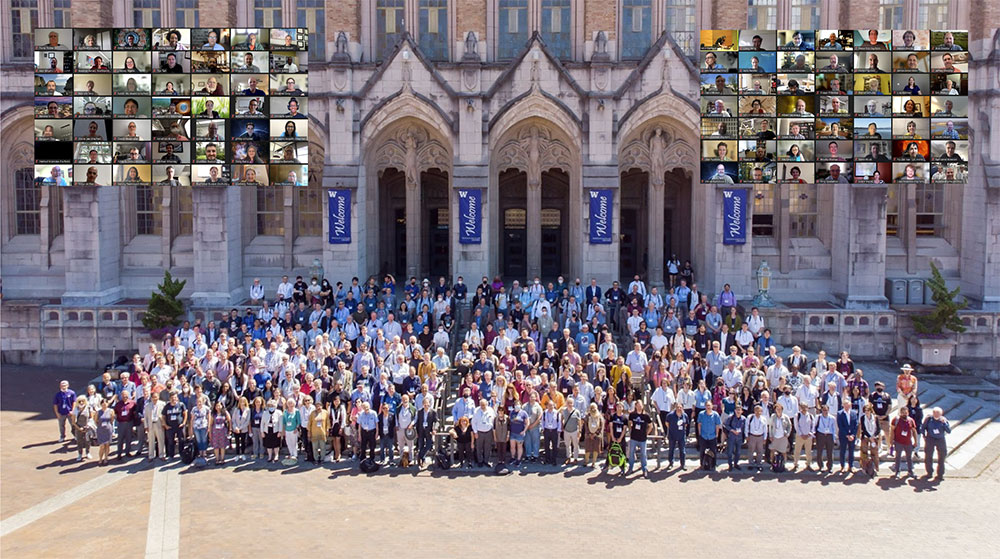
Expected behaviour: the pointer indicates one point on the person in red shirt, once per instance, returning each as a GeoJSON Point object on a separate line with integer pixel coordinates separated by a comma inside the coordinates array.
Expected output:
{"type": "Point", "coordinates": [904, 437]}
{"type": "Point", "coordinates": [124, 410]}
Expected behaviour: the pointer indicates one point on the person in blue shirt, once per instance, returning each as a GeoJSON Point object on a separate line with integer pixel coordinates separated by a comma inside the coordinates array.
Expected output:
{"type": "Point", "coordinates": [62, 405]}
{"type": "Point", "coordinates": [735, 425]}
{"type": "Point", "coordinates": [935, 427]}
{"type": "Point", "coordinates": [709, 428]}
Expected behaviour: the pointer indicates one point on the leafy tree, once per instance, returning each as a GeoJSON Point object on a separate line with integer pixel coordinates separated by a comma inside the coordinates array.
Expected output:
{"type": "Point", "coordinates": [945, 313]}
{"type": "Point", "coordinates": [165, 308]}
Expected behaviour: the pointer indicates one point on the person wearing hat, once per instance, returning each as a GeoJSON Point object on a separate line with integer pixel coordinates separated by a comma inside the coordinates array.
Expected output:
{"type": "Point", "coordinates": [906, 383]}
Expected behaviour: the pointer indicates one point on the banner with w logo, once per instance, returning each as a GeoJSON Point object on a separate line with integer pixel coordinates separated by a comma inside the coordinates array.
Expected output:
{"type": "Point", "coordinates": [600, 215]}
{"type": "Point", "coordinates": [734, 217]}
{"type": "Point", "coordinates": [470, 216]}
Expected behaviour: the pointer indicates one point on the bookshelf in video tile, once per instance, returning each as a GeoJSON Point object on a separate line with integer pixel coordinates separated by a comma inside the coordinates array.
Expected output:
{"type": "Point", "coordinates": [834, 106]}
{"type": "Point", "coordinates": [171, 106]}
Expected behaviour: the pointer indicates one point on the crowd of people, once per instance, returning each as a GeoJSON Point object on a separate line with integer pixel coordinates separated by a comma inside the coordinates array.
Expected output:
{"type": "Point", "coordinates": [560, 373]}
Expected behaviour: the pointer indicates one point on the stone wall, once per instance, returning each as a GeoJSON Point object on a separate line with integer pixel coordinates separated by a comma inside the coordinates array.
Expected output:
{"type": "Point", "coordinates": [43, 334]}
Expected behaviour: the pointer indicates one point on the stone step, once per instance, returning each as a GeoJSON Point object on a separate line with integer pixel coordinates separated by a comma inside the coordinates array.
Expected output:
{"type": "Point", "coordinates": [968, 428]}
{"type": "Point", "coordinates": [974, 444]}
{"type": "Point", "coordinates": [963, 412]}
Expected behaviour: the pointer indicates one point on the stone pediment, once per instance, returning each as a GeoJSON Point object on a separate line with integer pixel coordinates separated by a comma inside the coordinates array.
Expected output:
{"type": "Point", "coordinates": [406, 68]}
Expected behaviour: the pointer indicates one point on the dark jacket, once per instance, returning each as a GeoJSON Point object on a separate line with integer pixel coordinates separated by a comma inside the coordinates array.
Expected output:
{"type": "Point", "coordinates": [431, 422]}
{"type": "Point", "coordinates": [847, 423]}
{"type": "Point", "coordinates": [380, 426]}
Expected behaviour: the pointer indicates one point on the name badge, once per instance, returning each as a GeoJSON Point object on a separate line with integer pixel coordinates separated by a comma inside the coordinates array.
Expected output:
{"type": "Point", "coordinates": [905, 433]}
{"type": "Point", "coordinates": [937, 431]}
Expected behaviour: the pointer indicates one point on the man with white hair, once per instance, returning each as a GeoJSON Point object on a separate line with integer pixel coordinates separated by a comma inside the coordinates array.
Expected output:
{"type": "Point", "coordinates": [935, 428]}
{"type": "Point", "coordinates": [62, 405]}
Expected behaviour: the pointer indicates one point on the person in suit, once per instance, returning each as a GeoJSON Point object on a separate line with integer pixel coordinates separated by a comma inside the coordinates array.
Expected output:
{"type": "Point", "coordinates": [847, 430]}
{"type": "Point", "coordinates": [386, 431]}
{"type": "Point", "coordinates": [426, 421]}
{"type": "Point", "coordinates": [727, 339]}
{"type": "Point", "coordinates": [152, 421]}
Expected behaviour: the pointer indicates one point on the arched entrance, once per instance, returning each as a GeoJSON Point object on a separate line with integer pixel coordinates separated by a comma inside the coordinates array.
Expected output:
{"type": "Point", "coordinates": [533, 202]}
{"type": "Point", "coordinates": [410, 191]}
{"type": "Point", "coordinates": [655, 204]}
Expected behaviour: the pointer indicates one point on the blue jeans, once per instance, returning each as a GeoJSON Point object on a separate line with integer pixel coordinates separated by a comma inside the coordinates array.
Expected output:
{"type": "Point", "coordinates": [632, 447]}
{"type": "Point", "coordinates": [386, 447]}
{"type": "Point", "coordinates": [733, 444]}
{"type": "Point", "coordinates": [678, 443]}
{"type": "Point", "coordinates": [201, 439]}
{"type": "Point", "coordinates": [532, 442]}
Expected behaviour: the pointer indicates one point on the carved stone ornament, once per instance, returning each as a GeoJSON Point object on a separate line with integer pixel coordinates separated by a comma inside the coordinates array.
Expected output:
{"type": "Point", "coordinates": [656, 150]}
{"type": "Point", "coordinates": [533, 150]}
{"type": "Point", "coordinates": [411, 150]}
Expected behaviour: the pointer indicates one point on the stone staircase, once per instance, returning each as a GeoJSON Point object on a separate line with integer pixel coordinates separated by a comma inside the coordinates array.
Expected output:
{"type": "Point", "coordinates": [971, 406]}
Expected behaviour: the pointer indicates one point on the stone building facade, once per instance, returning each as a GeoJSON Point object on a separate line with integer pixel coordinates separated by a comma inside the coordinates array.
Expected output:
{"type": "Point", "coordinates": [534, 101]}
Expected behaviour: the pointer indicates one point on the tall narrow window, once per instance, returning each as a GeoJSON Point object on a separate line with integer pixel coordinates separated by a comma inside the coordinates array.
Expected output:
{"type": "Point", "coordinates": [930, 210]}
{"type": "Point", "coordinates": [187, 13]}
{"type": "Point", "coordinates": [762, 14]}
{"type": "Point", "coordinates": [512, 29]}
{"type": "Point", "coordinates": [61, 13]}
{"type": "Point", "coordinates": [270, 210]}
{"type": "Point", "coordinates": [185, 210]}
{"type": "Point", "coordinates": [309, 200]}
{"type": "Point", "coordinates": [146, 13]}
{"type": "Point", "coordinates": [890, 14]}
{"type": "Point", "coordinates": [762, 224]}
{"type": "Point", "coordinates": [636, 28]}
{"type": "Point", "coordinates": [681, 24]}
{"type": "Point", "coordinates": [148, 210]}
{"type": "Point", "coordinates": [932, 14]}
{"type": "Point", "coordinates": [434, 29]}
{"type": "Point", "coordinates": [27, 203]}
{"type": "Point", "coordinates": [267, 13]}
{"type": "Point", "coordinates": [24, 20]}
{"type": "Point", "coordinates": [56, 211]}
{"type": "Point", "coordinates": [805, 14]}
{"type": "Point", "coordinates": [311, 14]}
{"type": "Point", "coordinates": [892, 212]}
{"type": "Point", "coordinates": [389, 21]}
{"type": "Point", "coordinates": [802, 210]}
{"type": "Point", "coordinates": [555, 29]}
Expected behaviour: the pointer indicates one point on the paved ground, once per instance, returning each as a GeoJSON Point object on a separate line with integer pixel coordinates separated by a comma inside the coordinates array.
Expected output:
{"type": "Point", "coordinates": [50, 506]}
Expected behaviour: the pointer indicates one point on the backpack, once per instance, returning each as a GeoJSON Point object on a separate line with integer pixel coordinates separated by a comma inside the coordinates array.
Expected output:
{"type": "Point", "coordinates": [778, 463]}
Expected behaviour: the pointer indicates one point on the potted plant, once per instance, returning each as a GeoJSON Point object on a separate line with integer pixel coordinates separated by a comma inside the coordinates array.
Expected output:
{"type": "Point", "coordinates": [164, 310]}
{"type": "Point", "coordinates": [931, 345]}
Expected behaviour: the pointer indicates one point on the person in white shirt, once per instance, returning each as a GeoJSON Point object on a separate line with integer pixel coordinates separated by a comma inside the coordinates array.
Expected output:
{"type": "Point", "coordinates": [732, 376]}
{"type": "Point", "coordinates": [634, 322]}
{"type": "Point", "coordinates": [636, 360]}
{"type": "Point", "coordinates": [756, 431]}
{"type": "Point", "coordinates": [663, 399]}
{"type": "Point", "coordinates": [807, 395]}
{"type": "Point", "coordinates": [744, 338]}
{"type": "Point", "coordinates": [658, 340]}
{"type": "Point", "coordinates": [474, 337]}
{"type": "Point", "coordinates": [636, 282]}
{"type": "Point", "coordinates": [405, 416]}
{"type": "Point", "coordinates": [755, 323]}
{"type": "Point", "coordinates": [482, 431]}
{"type": "Point", "coordinates": [775, 373]}
{"type": "Point", "coordinates": [256, 292]}
{"type": "Point", "coordinates": [285, 288]}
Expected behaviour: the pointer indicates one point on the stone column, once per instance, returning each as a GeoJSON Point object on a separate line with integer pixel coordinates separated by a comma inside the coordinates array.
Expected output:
{"type": "Point", "coordinates": [857, 249]}
{"type": "Point", "coordinates": [533, 223]}
{"type": "Point", "coordinates": [414, 246]}
{"type": "Point", "coordinates": [218, 246]}
{"type": "Point", "coordinates": [93, 245]}
{"type": "Point", "coordinates": [654, 231]}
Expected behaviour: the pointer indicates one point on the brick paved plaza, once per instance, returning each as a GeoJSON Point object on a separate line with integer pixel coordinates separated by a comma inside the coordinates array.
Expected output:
{"type": "Point", "coordinates": [53, 506]}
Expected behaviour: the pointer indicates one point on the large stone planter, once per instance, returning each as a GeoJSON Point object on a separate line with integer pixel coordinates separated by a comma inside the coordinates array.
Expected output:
{"type": "Point", "coordinates": [930, 352]}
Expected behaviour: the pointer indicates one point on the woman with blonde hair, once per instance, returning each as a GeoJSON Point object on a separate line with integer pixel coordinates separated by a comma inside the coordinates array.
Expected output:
{"type": "Point", "coordinates": [319, 429]}
{"type": "Point", "coordinates": [291, 420]}
{"type": "Point", "coordinates": [593, 435]}
{"type": "Point", "coordinates": [105, 418]}
{"type": "Point", "coordinates": [241, 427]}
